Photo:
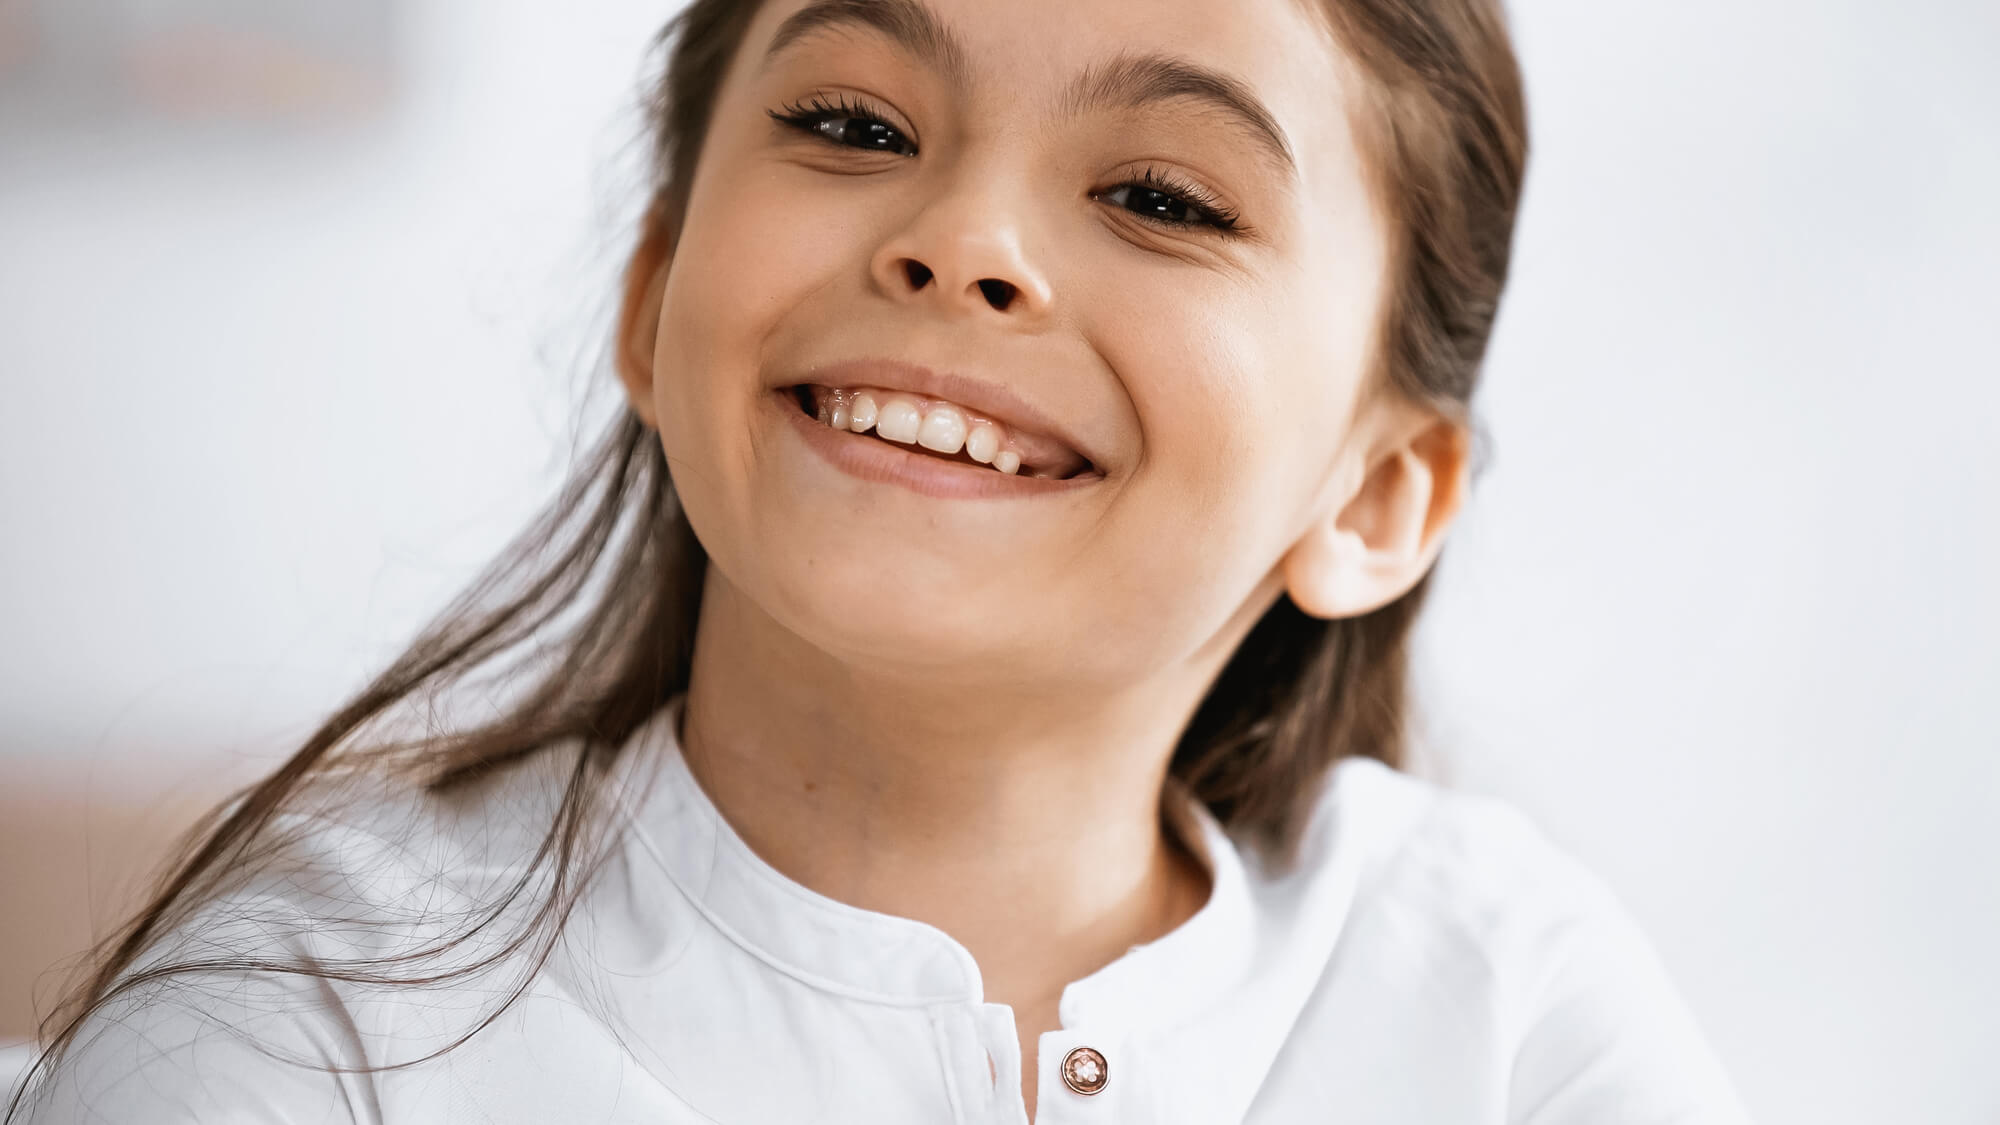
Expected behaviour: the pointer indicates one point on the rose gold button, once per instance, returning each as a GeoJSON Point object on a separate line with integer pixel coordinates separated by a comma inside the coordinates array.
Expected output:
{"type": "Point", "coordinates": [1085, 1071]}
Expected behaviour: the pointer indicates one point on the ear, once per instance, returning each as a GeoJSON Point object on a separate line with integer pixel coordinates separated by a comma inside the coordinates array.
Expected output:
{"type": "Point", "coordinates": [639, 313]}
{"type": "Point", "coordinates": [1383, 532]}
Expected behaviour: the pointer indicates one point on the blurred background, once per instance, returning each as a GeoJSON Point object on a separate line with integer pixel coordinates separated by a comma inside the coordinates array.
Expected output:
{"type": "Point", "coordinates": [301, 309]}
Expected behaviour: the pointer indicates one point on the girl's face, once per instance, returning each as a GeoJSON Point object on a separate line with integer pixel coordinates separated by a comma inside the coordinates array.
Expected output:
{"type": "Point", "coordinates": [1133, 234]}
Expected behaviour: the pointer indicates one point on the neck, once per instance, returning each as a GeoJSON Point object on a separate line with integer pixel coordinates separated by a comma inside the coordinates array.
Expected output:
{"type": "Point", "coordinates": [1022, 820]}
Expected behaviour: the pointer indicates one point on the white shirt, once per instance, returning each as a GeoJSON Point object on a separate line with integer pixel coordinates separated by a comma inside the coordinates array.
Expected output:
{"type": "Point", "coordinates": [1433, 959]}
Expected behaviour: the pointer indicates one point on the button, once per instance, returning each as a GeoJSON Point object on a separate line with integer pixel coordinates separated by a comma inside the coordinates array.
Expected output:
{"type": "Point", "coordinates": [1085, 1071]}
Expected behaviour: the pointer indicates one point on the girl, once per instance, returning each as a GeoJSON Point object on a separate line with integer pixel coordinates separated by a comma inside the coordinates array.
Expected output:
{"type": "Point", "coordinates": [968, 683]}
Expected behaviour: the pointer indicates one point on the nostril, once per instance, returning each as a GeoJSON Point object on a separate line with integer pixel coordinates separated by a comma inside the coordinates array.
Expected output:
{"type": "Point", "coordinates": [920, 274]}
{"type": "Point", "coordinates": [999, 294]}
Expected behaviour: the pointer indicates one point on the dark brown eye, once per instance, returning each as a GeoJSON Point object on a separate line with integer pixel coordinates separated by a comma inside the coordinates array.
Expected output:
{"type": "Point", "coordinates": [1161, 199]}
{"type": "Point", "coordinates": [843, 124]}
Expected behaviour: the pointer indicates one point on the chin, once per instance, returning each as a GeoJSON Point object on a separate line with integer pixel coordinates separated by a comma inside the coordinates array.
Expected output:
{"type": "Point", "coordinates": [920, 611]}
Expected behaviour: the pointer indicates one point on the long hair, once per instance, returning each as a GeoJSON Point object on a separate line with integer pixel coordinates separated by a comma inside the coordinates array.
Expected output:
{"type": "Point", "coordinates": [589, 615]}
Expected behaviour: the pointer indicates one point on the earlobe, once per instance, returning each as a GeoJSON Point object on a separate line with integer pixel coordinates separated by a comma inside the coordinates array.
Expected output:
{"type": "Point", "coordinates": [1322, 571]}
{"type": "Point", "coordinates": [1377, 544]}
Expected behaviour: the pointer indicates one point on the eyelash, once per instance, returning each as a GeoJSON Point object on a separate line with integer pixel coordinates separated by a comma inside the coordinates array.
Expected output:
{"type": "Point", "coordinates": [1210, 212]}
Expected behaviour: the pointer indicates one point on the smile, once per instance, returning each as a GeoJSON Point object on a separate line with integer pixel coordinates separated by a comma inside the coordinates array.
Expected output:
{"type": "Point", "coordinates": [928, 445]}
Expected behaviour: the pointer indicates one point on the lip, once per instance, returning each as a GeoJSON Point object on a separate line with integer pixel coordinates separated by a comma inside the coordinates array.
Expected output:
{"type": "Point", "coordinates": [1030, 426]}
{"type": "Point", "coordinates": [881, 461]}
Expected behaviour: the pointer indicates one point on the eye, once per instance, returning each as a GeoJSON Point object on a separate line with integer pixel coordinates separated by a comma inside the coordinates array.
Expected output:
{"type": "Point", "coordinates": [853, 126]}
{"type": "Point", "coordinates": [1162, 199]}
{"type": "Point", "coordinates": [1155, 197]}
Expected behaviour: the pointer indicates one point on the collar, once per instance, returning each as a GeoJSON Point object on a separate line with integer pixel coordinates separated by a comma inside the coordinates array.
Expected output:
{"type": "Point", "coordinates": [890, 959]}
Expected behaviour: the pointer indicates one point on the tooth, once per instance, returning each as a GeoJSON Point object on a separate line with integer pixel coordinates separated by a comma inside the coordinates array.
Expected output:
{"type": "Point", "coordinates": [839, 415]}
{"type": "Point", "coordinates": [983, 442]}
{"type": "Point", "coordinates": [861, 413]}
{"type": "Point", "coordinates": [825, 411]}
{"type": "Point", "coordinates": [898, 419]}
{"type": "Point", "coordinates": [1007, 461]}
{"type": "Point", "coordinates": [943, 429]}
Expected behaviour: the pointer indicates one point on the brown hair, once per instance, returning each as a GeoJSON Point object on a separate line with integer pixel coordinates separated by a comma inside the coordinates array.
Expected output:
{"type": "Point", "coordinates": [593, 607]}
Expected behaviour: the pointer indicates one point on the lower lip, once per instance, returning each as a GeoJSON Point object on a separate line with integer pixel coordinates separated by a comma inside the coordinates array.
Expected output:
{"type": "Point", "coordinates": [885, 462]}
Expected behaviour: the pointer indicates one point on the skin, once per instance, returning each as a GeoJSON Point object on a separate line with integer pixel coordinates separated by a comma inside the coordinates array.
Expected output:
{"type": "Point", "coordinates": [961, 711]}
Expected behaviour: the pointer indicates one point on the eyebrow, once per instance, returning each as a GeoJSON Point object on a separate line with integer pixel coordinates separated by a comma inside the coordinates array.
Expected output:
{"type": "Point", "coordinates": [1129, 81]}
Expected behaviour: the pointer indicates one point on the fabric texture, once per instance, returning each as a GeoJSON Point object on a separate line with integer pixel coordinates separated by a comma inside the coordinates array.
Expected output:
{"type": "Point", "coordinates": [1432, 959]}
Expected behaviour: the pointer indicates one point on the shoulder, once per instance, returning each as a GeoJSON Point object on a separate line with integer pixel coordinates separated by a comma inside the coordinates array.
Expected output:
{"type": "Point", "coordinates": [373, 845]}
{"type": "Point", "coordinates": [1463, 876]}
{"type": "Point", "coordinates": [1473, 862]}
{"type": "Point", "coordinates": [371, 922]}
{"type": "Point", "coordinates": [1466, 900]}
{"type": "Point", "coordinates": [1476, 863]}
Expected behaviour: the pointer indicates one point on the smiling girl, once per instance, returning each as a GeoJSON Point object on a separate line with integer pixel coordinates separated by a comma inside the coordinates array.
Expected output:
{"type": "Point", "coordinates": [968, 684]}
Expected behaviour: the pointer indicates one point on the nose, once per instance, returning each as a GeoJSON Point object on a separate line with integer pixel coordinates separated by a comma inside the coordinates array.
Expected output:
{"type": "Point", "coordinates": [967, 251]}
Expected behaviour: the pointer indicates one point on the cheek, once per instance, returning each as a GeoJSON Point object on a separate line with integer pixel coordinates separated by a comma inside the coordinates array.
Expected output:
{"type": "Point", "coordinates": [757, 245]}
{"type": "Point", "coordinates": [1244, 401]}
{"type": "Point", "coordinates": [1228, 417]}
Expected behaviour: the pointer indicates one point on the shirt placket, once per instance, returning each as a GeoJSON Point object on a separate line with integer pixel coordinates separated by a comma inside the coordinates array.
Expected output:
{"type": "Point", "coordinates": [979, 1068]}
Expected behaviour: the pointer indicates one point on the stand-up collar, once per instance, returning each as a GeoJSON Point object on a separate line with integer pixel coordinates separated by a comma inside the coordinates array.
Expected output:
{"type": "Point", "coordinates": [887, 958]}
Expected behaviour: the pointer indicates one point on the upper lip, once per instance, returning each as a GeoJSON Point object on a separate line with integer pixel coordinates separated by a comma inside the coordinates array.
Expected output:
{"type": "Point", "coordinates": [1030, 426]}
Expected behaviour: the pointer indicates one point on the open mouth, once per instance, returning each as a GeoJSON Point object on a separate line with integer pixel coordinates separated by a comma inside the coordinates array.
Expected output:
{"type": "Point", "coordinates": [941, 430]}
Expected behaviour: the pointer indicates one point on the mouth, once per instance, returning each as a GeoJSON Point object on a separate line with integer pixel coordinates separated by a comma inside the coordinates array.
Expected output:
{"type": "Point", "coordinates": [938, 431]}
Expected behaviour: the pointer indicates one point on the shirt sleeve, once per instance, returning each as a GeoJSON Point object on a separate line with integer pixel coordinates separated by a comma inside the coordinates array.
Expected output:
{"type": "Point", "coordinates": [1609, 1040]}
{"type": "Point", "coordinates": [220, 1046]}
{"type": "Point", "coordinates": [244, 1055]}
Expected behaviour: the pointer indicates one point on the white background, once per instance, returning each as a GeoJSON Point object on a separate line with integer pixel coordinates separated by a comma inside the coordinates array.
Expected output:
{"type": "Point", "coordinates": [1720, 617]}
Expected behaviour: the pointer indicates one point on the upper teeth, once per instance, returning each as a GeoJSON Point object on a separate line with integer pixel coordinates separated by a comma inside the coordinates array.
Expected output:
{"type": "Point", "coordinates": [934, 425]}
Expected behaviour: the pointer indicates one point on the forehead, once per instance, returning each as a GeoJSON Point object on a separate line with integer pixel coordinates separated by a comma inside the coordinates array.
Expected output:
{"type": "Point", "coordinates": [1268, 69]}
